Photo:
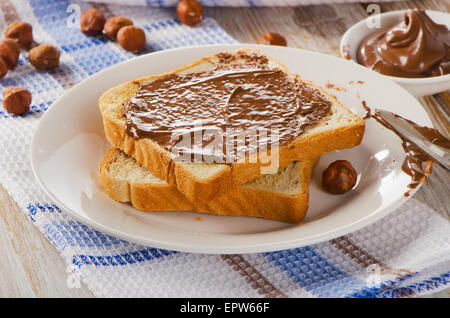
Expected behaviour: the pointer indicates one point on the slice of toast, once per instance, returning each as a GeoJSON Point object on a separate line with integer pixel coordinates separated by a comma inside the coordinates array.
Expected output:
{"type": "Point", "coordinates": [200, 181]}
{"type": "Point", "coordinates": [282, 196]}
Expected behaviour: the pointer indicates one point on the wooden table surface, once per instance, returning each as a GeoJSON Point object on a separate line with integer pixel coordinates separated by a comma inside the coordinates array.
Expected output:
{"type": "Point", "coordinates": [30, 266]}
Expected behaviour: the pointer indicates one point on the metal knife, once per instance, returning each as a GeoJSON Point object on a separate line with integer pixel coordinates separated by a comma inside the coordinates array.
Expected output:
{"type": "Point", "coordinates": [438, 153]}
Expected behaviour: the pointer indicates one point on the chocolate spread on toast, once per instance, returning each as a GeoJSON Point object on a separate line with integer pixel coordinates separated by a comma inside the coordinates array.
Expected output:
{"type": "Point", "coordinates": [231, 98]}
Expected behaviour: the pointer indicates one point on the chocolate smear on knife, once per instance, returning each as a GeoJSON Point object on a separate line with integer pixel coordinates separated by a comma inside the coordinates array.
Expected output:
{"type": "Point", "coordinates": [417, 164]}
{"type": "Point", "coordinates": [367, 109]}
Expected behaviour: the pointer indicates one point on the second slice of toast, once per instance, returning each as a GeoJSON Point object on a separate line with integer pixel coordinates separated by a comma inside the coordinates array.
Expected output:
{"type": "Point", "coordinates": [282, 196]}
{"type": "Point", "coordinates": [200, 181]}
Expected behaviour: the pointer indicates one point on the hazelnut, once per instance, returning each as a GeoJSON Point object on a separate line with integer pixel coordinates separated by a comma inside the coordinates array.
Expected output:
{"type": "Point", "coordinates": [190, 12]}
{"type": "Point", "coordinates": [92, 22]}
{"type": "Point", "coordinates": [44, 57]}
{"type": "Point", "coordinates": [9, 52]}
{"type": "Point", "coordinates": [16, 100]}
{"type": "Point", "coordinates": [131, 38]}
{"type": "Point", "coordinates": [22, 32]}
{"type": "Point", "coordinates": [3, 68]}
{"type": "Point", "coordinates": [272, 38]}
{"type": "Point", "coordinates": [113, 25]}
{"type": "Point", "coordinates": [339, 177]}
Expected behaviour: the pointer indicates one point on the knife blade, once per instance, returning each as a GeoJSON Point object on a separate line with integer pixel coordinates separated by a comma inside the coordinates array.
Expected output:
{"type": "Point", "coordinates": [409, 132]}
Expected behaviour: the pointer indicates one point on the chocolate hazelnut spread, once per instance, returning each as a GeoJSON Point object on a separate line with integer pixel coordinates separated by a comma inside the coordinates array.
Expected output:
{"type": "Point", "coordinates": [229, 98]}
{"type": "Point", "coordinates": [414, 47]}
{"type": "Point", "coordinates": [368, 113]}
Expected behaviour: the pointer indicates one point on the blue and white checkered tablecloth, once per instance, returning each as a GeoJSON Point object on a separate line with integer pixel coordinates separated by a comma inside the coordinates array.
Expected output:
{"type": "Point", "coordinates": [405, 254]}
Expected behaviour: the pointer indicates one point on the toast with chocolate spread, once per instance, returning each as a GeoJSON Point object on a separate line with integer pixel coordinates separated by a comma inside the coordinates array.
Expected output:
{"type": "Point", "coordinates": [282, 196]}
{"type": "Point", "coordinates": [227, 96]}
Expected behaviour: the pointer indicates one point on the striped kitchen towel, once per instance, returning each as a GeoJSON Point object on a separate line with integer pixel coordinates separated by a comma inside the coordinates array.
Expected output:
{"type": "Point", "coordinates": [404, 254]}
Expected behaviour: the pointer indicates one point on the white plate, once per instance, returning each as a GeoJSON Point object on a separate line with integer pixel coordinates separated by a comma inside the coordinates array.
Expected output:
{"type": "Point", "coordinates": [69, 144]}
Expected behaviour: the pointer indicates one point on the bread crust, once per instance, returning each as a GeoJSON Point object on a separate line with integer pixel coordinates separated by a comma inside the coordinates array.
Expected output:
{"type": "Point", "coordinates": [159, 161]}
{"type": "Point", "coordinates": [241, 201]}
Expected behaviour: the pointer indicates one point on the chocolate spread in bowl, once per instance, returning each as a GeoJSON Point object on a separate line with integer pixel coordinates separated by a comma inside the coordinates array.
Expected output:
{"type": "Point", "coordinates": [414, 47]}
{"type": "Point", "coordinates": [231, 99]}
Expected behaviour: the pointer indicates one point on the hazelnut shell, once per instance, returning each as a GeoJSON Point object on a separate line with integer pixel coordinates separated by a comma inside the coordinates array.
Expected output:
{"type": "Point", "coordinates": [339, 177]}
{"type": "Point", "coordinates": [92, 22]}
{"type": "Point", "coordinates": [190, 12]}
{"type": "Point", "coordinates": [44, 57]}
{"type": "Point", "coordinates": [22, 32]}
{"type": "Point", "coordinates": [131, 38]}
{"type": "Point", "coordinates": [16, 100]}
{"type": "Point", "coordinates": [113, 25]}
{"type": "Point", "coordinates": [3, 68]}
{"type": "Point", "coordinates": [272, 38]}
{"type": "Point", "coordinates": [9, 52]}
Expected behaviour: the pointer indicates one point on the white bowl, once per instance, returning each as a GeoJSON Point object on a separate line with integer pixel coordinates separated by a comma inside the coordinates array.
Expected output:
{"type": "Point", "coordinates": [417, 86]}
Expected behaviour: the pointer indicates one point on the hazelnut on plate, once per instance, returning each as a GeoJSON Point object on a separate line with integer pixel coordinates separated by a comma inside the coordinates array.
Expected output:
{"type": "Point", "coordinates": [16, 100]}
{"type": "Point", "coordinates": [3, 68]}
{"type": "Point", "coordinates": [9, 52]}
{"type": "Point", "coordinates": [272, 38]}
{"type": "Point", "coordinates": [92, 22]}
{"type": "Point", "coordinates": [44, 57]}
{"type": "Point", "coordinates": [190, 12]}
{"type": "Point", "coordinates": [113, 25]}
{"type": "Point", "coordinates": [131, 38]}
{"type": "Point", "coordinates": [22, 32]}
{"type": "Point", "coordinates": [339, 177]}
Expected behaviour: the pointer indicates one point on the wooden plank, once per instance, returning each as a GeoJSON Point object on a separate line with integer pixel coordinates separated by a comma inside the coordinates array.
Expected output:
{"type": "Point", "coordinates": [437, 108]}
{"type": "Point", "coordinates": [438, 5]}
{"type": "Point", "coordinates": [316, 28]}
{"type": "Point", "coordinates": [13, 277]}
{"type": "Point", "coordinates": [29, 264]}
